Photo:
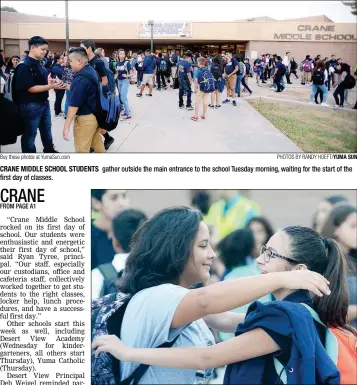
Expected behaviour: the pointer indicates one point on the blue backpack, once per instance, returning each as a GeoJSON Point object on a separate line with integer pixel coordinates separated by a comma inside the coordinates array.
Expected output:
{"type": "Point", "coordinates": [206, 81]}
{"type": "Point", "coordinates": [163, 65]}
{"type": "Point", "coordinates": [108, 106]}
{"type": "Point", "coordinates": [107, 317]}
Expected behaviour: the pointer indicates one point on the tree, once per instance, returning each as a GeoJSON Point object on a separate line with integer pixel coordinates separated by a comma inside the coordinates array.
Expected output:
{"type": "Point", "coordinates": [353, 5]}
{"type": "Point", "coordinates": [8, 9]}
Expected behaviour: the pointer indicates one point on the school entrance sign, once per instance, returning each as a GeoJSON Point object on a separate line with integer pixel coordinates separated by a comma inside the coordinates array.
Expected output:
{"type": "Point", "coordinates": [163, 29]}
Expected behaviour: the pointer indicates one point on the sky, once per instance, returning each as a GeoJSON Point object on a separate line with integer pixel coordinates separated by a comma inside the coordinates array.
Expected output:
{"type": "Point", "coordinates": [131, 11]}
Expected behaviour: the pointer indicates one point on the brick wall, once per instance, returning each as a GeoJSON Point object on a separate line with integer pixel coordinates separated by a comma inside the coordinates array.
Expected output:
{"type": "Point", "coordinates": [299, 50]}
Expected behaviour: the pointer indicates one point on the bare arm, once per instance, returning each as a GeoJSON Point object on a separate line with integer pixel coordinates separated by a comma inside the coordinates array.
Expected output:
{"type": "Point", "coordinates": [224, 322]}
{"type": "Point", "coordinates": [37, 89]}
{"type": "Point", "coordinates": [104, 80]}
{"type": "Point", "coordinates": [352, 312]}
{"type": "Point", "coordinates": [254, 343]}
{"type": "Point", "coordinates": [219, 298]}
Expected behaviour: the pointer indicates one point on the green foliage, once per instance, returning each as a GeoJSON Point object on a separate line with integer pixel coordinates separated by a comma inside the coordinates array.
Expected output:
{"type": "Point", "coordinates": [8, 9]}
{"type": "Point", "coordinates": [353, 5]}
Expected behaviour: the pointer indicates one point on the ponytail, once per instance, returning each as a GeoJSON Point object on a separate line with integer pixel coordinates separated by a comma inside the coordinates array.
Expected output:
{"type": "Point", "coordinates": [333, 308]}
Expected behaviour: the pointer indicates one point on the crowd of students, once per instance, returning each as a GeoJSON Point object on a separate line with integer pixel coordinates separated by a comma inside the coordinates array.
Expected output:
{"type": "Point", "coordinates": [202, 75]}
{"type": "Point", "coordinates": [172, 281]}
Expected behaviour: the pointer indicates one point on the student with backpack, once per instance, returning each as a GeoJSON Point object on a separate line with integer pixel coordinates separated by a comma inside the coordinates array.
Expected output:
{"type": "Point", "coordinates": [293, 67]}
{"type": "Point", "coordinates": [30, 85]}
{"type": "Point", "coordinates": [241, 78]}
{"type": "Point", "coordinates": [296, 339]}
{"type": "Point", "coordinates": [83, 105]}
{"type": "Point", "coordinates": [105, 77]}
{"type": "Point", "coordinates": [161, 70]}
{"type": "Point", "coordinates": [184, 75]}
{"type": "Point", "coordinates": [175, 245]}
{"type": "Point", "coordinates": [318, 82]}
{"type": "Point", "coordinates": [9, 74]}
{"type": "Point", "coordinates": [106, 275]}
{"type": "Point", "coordinates": [280, 70]}
{"type": "Point", "coordinates": [306, 68]}
{"type": "Point", "coordinates": [217, 72]}
{"type": "Point", "coordinates": [204, 84]}
{"type": "Point", "coordinates": [344, 81]}
{"type": "Point", "coordinates": [124, 72]}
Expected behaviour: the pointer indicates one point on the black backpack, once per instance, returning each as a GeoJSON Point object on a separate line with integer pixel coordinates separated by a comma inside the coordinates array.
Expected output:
{"type": "Point", "coordinates": [349, 82]}
{"type": "Point", "coordinates": [107, 318]}
{"type": "Point", "coordinates": [318, 78]}
{"type": "Point", "coordinates": [12, 125]}
{"type": "Point", "coordinates": [216, 71]}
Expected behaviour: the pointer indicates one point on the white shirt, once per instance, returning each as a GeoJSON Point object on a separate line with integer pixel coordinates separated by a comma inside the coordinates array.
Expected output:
{"type": "Point", "coordinates": [118, 262]}
{"type": "Point", "coordinates": [286, 61]}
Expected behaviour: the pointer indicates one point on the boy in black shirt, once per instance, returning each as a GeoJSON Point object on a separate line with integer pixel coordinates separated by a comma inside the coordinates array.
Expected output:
{"type": "Point", "coordinates": [31, 84]}
{"type": "Point", "coordinates": [99, 66]}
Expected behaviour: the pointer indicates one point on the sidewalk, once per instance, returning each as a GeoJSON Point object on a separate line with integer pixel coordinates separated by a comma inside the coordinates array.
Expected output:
{"type": "Point", "coordinates": [158, 125]}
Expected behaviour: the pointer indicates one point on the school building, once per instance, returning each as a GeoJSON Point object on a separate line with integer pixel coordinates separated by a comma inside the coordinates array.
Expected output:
{"type": "Point", "coordinates": [250, 37]}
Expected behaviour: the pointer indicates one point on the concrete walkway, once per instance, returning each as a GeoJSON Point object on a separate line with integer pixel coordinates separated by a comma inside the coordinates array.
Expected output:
{"type": "Point", "coordinates": [158, 125]}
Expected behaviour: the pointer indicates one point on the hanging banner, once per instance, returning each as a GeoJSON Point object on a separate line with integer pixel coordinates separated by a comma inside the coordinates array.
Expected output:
{"type": "Point", "coordinates": [165, 29]}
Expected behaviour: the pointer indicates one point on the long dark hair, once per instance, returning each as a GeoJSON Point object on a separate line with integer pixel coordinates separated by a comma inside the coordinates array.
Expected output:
{"type": "Point", "coordinates": [337, 216]}
{"type": "Point", "coordinates": [235, 247]}
{"type": "Point", "coordinates": [9, 65]}
{"type": "Point", "coordinates": [319, 66]}
{"type": "Point", "coordinates": [265, 223]}
{"type": "Point", "coordinates": [160, 249]}
{"type": "Point", "coordinates": [324, 256]}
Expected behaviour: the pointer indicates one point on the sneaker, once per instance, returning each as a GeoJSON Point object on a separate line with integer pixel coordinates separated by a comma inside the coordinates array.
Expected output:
{"type": "Point", "coordinates": [139, 95]}
{"type": "Point", "coordinates": [234, 103]}
{"type": "Point", "coordinates": [250, 93]}
{"type": "Point", "coordinates": [189, 108]}
{"type": "Point", "coordinates": [290, 83]}
{"type": "Point", "coordinates": [324, 105]}
{"type": "Point", "coordinates": [91, 150]}
{"type": "Point", "coordinates": [108, 142]}
{"type": "Point", "coordinates": [284, 89]}
{"type": "Point", "coordinates": [59, 115]}
{"type": "Point", "coordinates": [226, 101]}
{"type": "Point", "coordinates": [218, 106]}
{"type": "Point", "coordinates": [148, 94]}
{"type": "Point", "coordinates": [123, 114]}
{"type": "Point", "coordinates": [51, 151]}
{"type": "Point", "coordinates": [126, 117]}
{"type": "Point", "coordinates": [336, 106]}
{"type": "Point", "coordinates": [203, 117]}
{"type": "Point", "coordinates": [181, 107]}
{"type": "Point", "coordinates": [211, 105]}
{"type": "Point", "coordinates": [194, 118]}
{"type": "Point", "coordinates": [271, 88]}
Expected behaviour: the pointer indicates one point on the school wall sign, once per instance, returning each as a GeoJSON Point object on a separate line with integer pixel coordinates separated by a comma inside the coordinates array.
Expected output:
{"type": "Point", "coordinates": [163, 29]}
{"type": "Point", "coordinates": [315, 33]}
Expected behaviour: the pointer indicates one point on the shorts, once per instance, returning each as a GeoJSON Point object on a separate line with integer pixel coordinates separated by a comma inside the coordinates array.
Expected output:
{"type": "Point", "coordinates": [147, 79]}
{"type": "Point", "coordinates": [231, 82]}
{"type": "Point", "coordinates": [201, 97]}
{"type": "Point", "coordinates": [219, 85]}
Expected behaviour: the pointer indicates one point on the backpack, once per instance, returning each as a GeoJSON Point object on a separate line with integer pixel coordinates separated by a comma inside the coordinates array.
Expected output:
{"type": "Point", "coordinates": [283, 69]}
{"type": "Point", "coordinates": [109, 74]}
{"type": "Point", "coordinates": [8, 87]}
{"type": "Point", "coordinates": [206, 81]}
{"type": "Point", "coordinates": [107, 108]}
{"type": "Point", "coordinates": [13, 81]}
{"type": "Point", "coordinates": [318, 78]}
{"type": "Point", "coordinates": [216, 71]}
{"type": "Point", "coordinates": [163, 65]}
{"type": "Point", "coordinates": [307, 66]}
{"type": "Point", "coordinates": [241, 68]}
{"type": "Point", "coordinates": [349, 82]}
{"type": "Point", "coordinates": [255, 68]}
{"type": "Point", "coordinates": [341, 347]}
{"type": "Point", "coordinates": [12, 125]}
{"type": "Point", "coordinates": [106, 318]}
{"type": "Point", "coordinates": [110, 277]}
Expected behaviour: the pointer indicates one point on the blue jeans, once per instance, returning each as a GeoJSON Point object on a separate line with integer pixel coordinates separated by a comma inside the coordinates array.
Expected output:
{"type": "Point", "coordinates": [123, 86]}
{"type": "Point", "coordinates": [185, 87]}
{"type": "Point", "coordinates": [66, 104]}
{"type": "Point", "coordinates": [314, 90]}
{"type": "Point", "coordinates": [239, 81]}
{"type": "Point", "coordinates": [36, 116]}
